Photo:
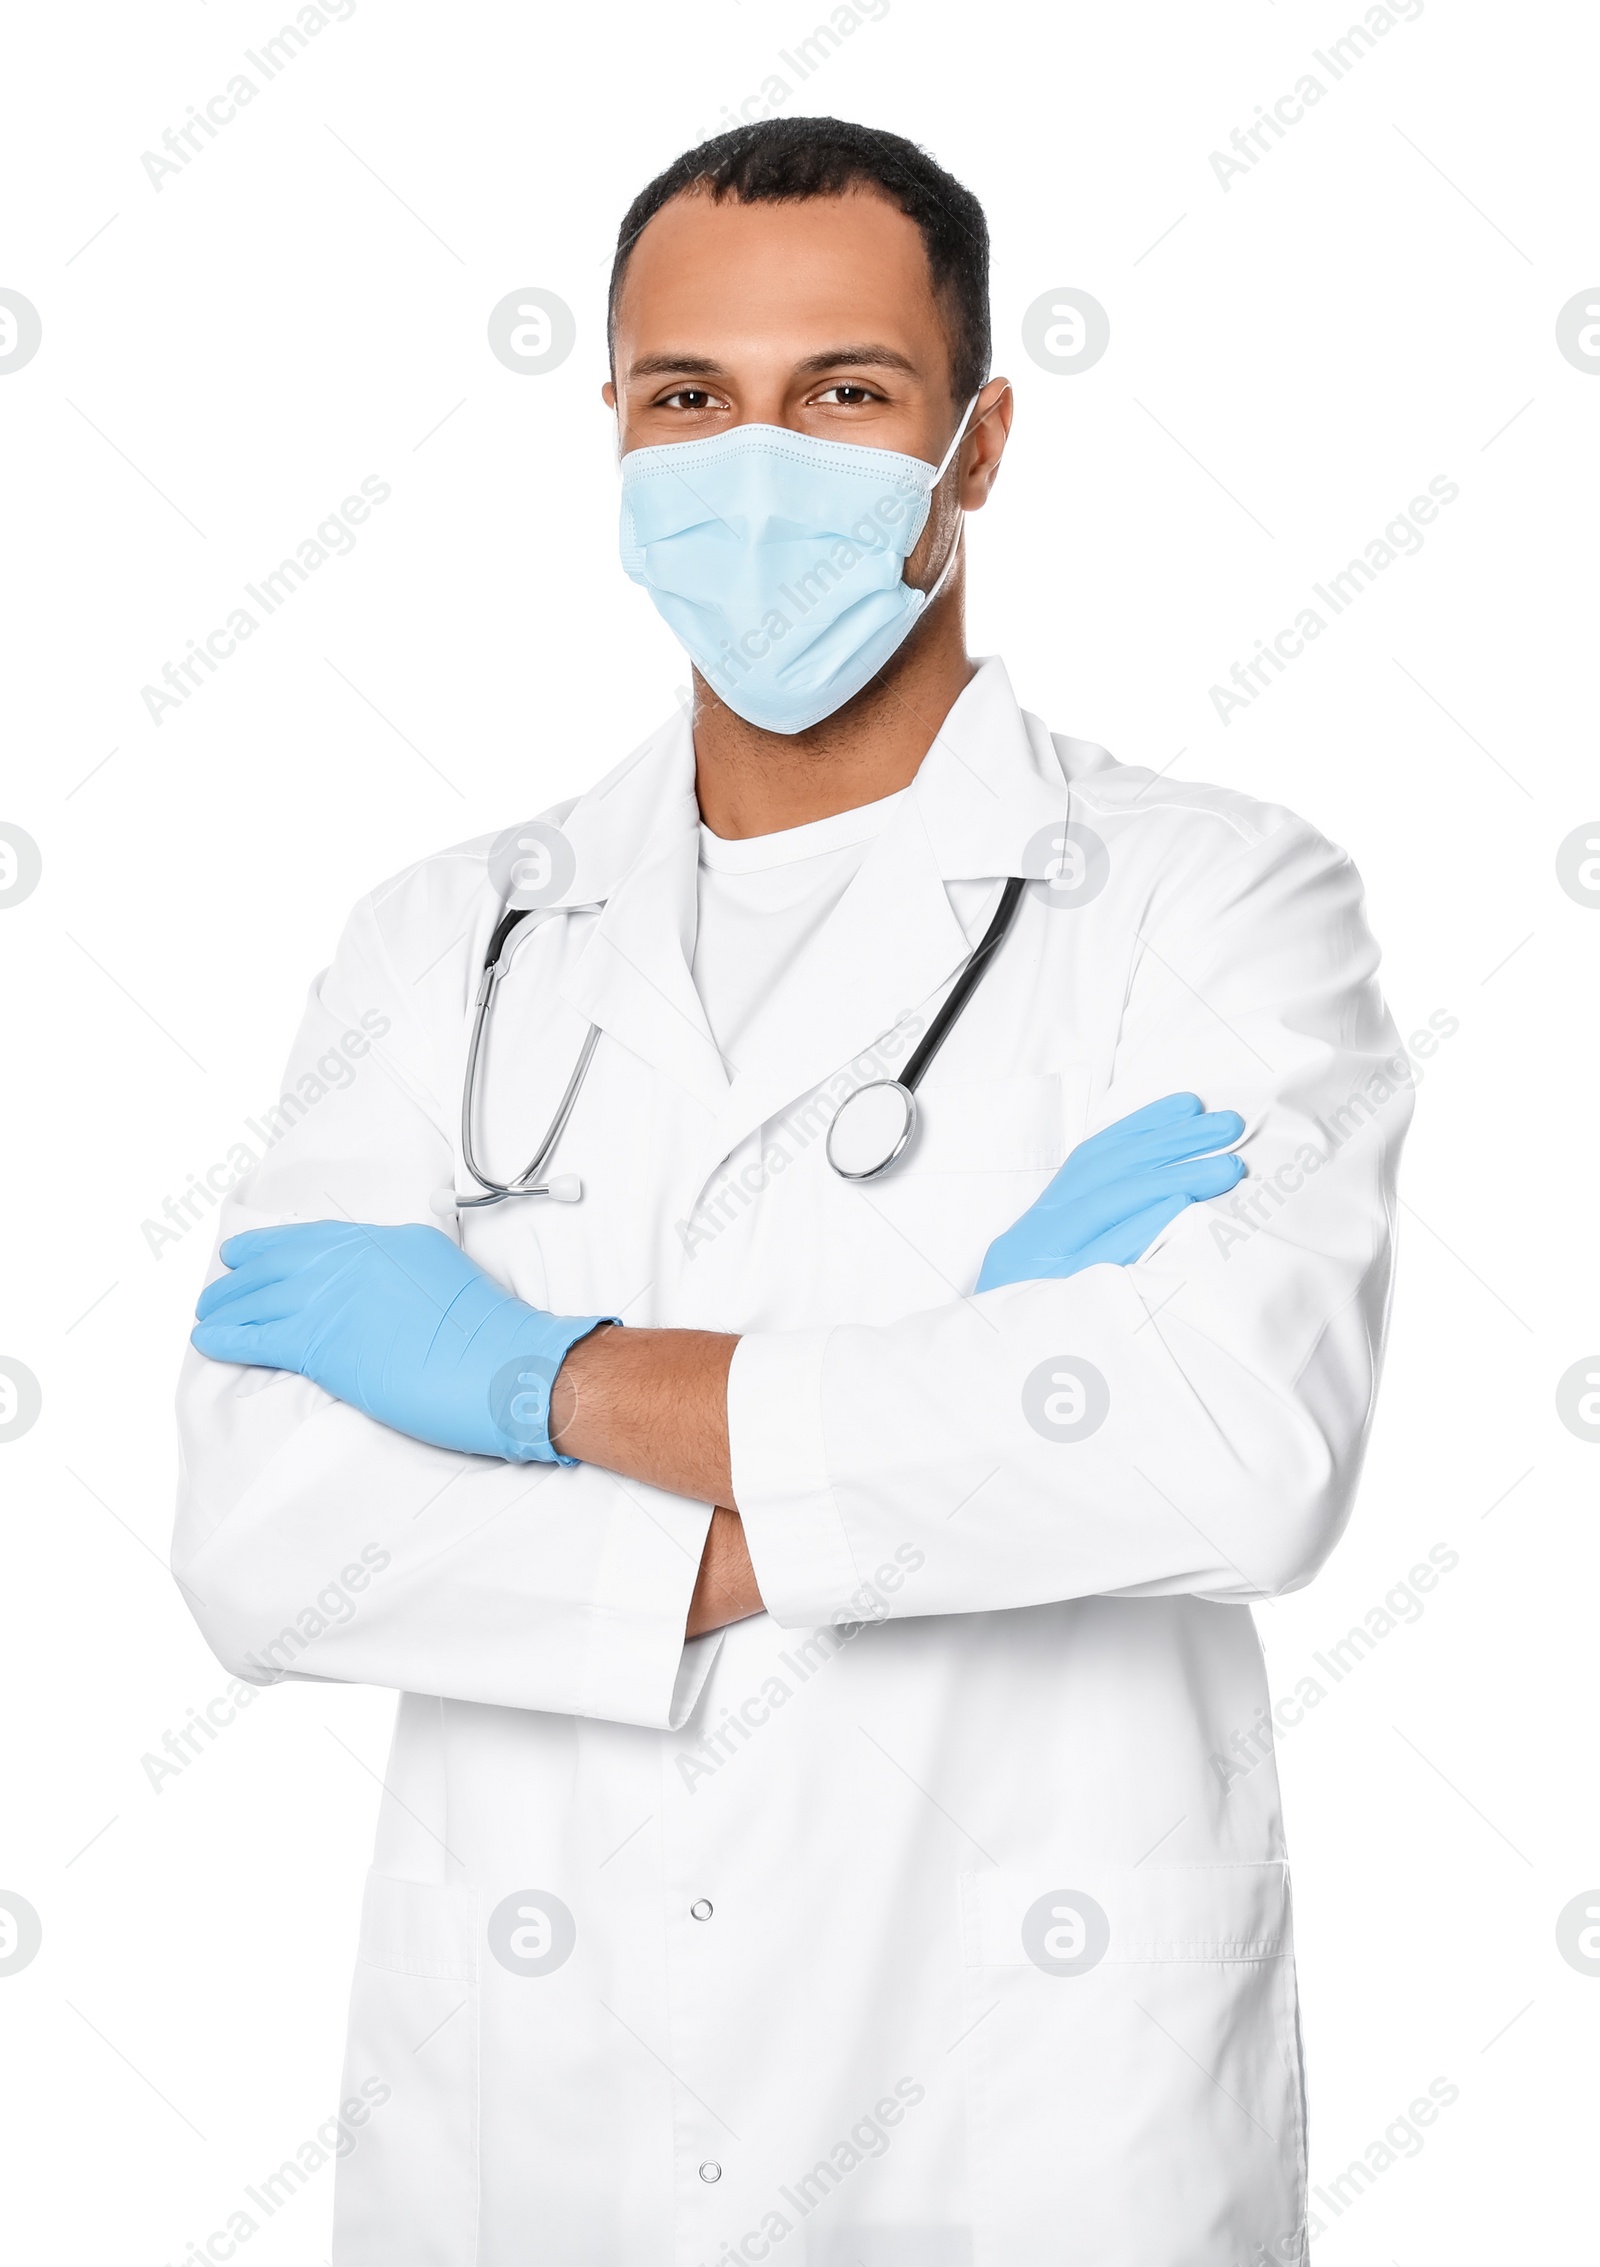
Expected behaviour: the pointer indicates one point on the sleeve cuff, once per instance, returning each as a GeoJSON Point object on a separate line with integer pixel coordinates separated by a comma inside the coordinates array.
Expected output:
{"type": "Point", "coordinates": [640, 1669]}
{"type": "Point", "coordinates": [694, 1666]}
{"type": "Point", "coordinates": [793, 1532]}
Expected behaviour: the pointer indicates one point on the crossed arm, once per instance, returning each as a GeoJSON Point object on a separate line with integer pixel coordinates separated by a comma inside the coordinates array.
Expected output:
{"type": "Point", "coordinates": [652, 1405]}
{"type": "Point", "coordinates": [1235, 1368]}
{"type": "Point", "coordinates": [401, 1323]}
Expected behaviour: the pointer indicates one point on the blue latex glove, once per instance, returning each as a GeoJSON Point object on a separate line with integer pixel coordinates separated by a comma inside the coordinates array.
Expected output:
{"type": "Point", "coordinates": [398, 1322]}
{"type": "Point", "coordinates": [1118, 1190]}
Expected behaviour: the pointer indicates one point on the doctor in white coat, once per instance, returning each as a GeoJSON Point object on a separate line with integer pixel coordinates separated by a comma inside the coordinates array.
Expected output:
{"type": "Point", "coordinates": [832, 1814]}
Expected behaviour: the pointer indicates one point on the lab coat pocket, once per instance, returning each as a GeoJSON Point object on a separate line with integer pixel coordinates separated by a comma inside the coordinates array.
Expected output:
{"type": "Point", "coordinates": [1133, 2062]}
{"type": "Point", "coordinates": [1003, 1125]}
{"type": "Point", "coordinates": [978, 1157]}
{"type": "Point", "coordinates": [413, 2054]}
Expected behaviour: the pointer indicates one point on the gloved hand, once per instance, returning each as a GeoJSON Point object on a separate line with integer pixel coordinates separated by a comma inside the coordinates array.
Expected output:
{"type": "Point", "coordinates": [1118, 1190]}
{"type": "Point", "coordinates": [398, 1322]}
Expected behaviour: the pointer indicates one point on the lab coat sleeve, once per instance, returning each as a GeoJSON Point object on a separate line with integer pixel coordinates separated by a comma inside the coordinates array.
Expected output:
{"type": "Point", "coordinates": [312, 1542]}
{"type": "Point", "coordinates": [1192, 1423]}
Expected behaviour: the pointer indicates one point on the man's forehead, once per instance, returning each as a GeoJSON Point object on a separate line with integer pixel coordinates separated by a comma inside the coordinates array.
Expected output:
{"type": "Point", "coordinates": [856, 245]}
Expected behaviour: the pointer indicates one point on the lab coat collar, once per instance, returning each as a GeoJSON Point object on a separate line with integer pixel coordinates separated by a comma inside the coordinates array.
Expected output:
{"type": "Point", "coordinates": [989, 787]}
{"type": "Point", "coordinates": [989, 781]}
{"type": "Point", "coordinates": [990, 784]}
{"type": "Point", "coordinates": [636, 841]}
{"type": "Point", "coordinates": [988, 799]}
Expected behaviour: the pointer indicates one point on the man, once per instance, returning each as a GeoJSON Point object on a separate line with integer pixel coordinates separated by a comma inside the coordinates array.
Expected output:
{"type": "Point", "coordinates": [832, 1813]}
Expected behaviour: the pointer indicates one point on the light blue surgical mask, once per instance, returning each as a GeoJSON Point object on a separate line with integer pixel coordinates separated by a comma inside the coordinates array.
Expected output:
{"type": "Point", "coordinates": [776, 561]}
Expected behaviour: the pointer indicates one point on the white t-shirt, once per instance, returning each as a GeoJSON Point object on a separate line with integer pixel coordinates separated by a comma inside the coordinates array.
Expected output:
{"type": "Point", "coordinates": [761, 901]}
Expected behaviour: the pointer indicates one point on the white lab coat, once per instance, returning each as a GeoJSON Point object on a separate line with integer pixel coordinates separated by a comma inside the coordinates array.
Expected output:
{"type": "Point", "coordinates": [993, 1959]}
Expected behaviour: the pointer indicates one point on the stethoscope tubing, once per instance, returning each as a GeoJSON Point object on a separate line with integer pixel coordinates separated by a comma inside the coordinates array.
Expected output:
{"type": "Point", "coordinates": [499, 1192]}
{"type": "Point", "coordinates": [966, 983]}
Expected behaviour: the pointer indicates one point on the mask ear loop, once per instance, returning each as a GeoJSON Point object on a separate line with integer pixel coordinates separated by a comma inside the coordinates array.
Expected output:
{"type": "Point", "coordinates": [960, 435]}
{"type": "Point", "coordinates": [929, 596]}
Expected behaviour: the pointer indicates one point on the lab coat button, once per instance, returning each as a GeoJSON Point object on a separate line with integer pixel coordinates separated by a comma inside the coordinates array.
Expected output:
{"type": "Point", "coordinates": [700, 1910]}
{"type": "Point", "coordinates": [710, 2170]}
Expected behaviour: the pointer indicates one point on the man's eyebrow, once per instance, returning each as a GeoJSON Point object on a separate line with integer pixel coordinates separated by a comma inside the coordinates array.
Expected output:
{"type": "Point", "coordinates": [814, 365]}
{"type": "Point", "coordinates": [857, 357]}
{"type": "Point", "coordinates": [676, 365]}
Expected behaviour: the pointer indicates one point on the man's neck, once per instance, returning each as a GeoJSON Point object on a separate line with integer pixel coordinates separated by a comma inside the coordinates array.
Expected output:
{"type": "Point", "coordinates": [751, 782]}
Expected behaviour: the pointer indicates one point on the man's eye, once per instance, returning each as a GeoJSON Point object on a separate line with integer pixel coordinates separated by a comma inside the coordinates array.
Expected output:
{"type": "Point", "coordinates": [687, 397]}
{"type": "Point", "coordinates": [848, 396]}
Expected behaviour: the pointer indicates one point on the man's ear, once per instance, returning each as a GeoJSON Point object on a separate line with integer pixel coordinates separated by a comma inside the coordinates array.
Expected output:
{"type": "Point", "coordinates": [991, 426]}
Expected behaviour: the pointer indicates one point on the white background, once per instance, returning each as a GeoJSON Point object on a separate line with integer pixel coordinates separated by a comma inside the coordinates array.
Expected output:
{"type": "Point", "coordinates": [225, 357]}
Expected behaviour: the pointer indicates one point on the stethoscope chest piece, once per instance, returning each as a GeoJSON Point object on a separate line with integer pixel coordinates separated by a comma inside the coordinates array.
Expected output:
{"type": "Point", "coordinates": [872, 1126]}
{"type": "Point", "coordinates": [870, 1129]}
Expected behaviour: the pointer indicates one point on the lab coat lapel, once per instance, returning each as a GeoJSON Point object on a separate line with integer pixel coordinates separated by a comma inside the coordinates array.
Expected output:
{"type": "Point", "coordinates": [637, 843]}
{"type": "Point", "coordinates": [990, 790]}
{"type": "Point", "coordinates": [988, 786]}
{"type": "Point", "coordinates": [891, 941]}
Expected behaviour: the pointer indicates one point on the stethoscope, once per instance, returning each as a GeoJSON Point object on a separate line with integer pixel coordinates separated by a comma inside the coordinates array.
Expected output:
{"type": "Point", "coordinates": [561, 1188]}
{"type": "Point", "coordinates": [866, 1136]}
{"type": "Point", "coordinates": [871, 1127]}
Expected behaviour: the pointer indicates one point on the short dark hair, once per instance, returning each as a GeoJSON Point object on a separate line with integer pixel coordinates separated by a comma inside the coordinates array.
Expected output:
{"type": "Point", "coordinates": [786, 160]}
